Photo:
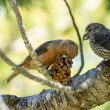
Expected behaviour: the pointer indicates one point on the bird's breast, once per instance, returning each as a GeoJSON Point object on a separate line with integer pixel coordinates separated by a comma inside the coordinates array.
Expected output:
{"type": "Point", "coordinates": [100, 51]}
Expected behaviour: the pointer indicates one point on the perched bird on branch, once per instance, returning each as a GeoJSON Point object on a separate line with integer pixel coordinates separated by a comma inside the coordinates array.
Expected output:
{"type": "Point", "coordinates": [99, 38]}
{"type": "Point", "coordinates": [47, 52]}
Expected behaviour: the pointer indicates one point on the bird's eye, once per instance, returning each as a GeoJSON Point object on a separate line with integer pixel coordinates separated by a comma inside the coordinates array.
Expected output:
{"type": "Point", "coordinates": [89, 30]}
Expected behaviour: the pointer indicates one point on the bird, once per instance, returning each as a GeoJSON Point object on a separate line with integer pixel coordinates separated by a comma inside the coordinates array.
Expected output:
{"type": "Point", "coordinates": [99, 39]}
{"type": "Point", "coordinates": [47, 52]}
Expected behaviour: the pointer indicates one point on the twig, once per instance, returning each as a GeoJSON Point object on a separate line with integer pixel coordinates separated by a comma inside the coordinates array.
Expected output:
{"type": "Point", "coordinates": [31, 51]}
{"type": "Point", "coordinates": [79, 38]}
{"type": "Point", "coordinates": [35, 78]}
{"type": "Point", "coordinates": [21, 27]}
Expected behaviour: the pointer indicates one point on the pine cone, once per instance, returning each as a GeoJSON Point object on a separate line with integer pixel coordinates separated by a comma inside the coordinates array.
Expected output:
{"type": "Point", "coordinates": [61, 69]}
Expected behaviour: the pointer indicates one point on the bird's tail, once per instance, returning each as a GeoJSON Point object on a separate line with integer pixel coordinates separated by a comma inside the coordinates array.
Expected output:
{"type": "Point", "coordinates": [12, 76]}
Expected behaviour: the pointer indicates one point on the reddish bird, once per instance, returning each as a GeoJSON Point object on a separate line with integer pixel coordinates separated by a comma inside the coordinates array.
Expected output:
{"type": "Point", "coordinates": [47, 52]}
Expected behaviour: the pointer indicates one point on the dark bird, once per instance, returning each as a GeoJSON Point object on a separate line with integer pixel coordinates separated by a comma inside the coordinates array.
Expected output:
{"type": "Point", "coordinates": [47, 52]}
{"type": "Point", "coordinates": [99, 38]}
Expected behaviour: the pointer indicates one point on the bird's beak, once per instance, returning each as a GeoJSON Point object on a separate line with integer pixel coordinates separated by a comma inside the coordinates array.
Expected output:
{"type": "Point", "coordinates": [85, 37]}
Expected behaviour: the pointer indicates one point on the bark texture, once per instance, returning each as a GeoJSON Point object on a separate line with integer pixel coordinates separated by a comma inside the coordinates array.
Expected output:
{"type": "Point", "coordinates": [94, 86]}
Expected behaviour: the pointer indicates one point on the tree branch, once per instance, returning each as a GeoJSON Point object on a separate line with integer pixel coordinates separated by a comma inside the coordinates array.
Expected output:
{"type": "Point", "coordinates": [79, 38]}
{"type": "Point", "coordinates": [97, 89]}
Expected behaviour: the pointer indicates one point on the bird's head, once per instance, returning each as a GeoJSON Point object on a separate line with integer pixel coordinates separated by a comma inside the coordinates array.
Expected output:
{"type": "Point", "coordinates": [71, 48]}
{"type": "Point", "coordinates": [92, 29]}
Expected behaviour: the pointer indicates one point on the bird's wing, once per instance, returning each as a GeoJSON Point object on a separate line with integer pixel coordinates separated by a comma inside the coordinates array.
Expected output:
{"type": "Point", "coordinates": [41, 49]}
{"type": "Point", "coordinates": [28, 58]}
{"type": "Point", "coordinates": [45, 46]}
{"type": "Point", "coordinates": [103, 39]}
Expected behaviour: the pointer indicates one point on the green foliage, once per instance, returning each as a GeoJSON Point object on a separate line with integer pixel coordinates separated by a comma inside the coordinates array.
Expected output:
{"type": "Point", "coordinates": [3, 3]}
{"type": "Point", "coordinates": [24, 2]}
{"type": "Point", "coordinates": [107, 4]}
{"type": "Point", "coordinates": [43, 4]}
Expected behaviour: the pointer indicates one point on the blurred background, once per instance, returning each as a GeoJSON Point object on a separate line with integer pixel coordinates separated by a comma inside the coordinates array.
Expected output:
{"type": "Point", "coordinates": [46, 20]}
